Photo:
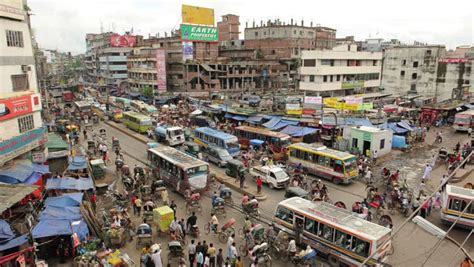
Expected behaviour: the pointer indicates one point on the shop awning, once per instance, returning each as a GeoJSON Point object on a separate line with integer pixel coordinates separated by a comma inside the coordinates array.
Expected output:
{"type": "Point", "coordinates": [358, 122]}
{"type": "Point", "coordinates": [297, 131]}
{"type": "Point", "coordinates": [77, 163]}
{"type": "Point", "coordinates": [283, 123]}
{"type": "Point", "coordinates": [239, 118]}
{"type": "Point", "coordinates": [396, 129]}
{"type": "Point", "coordinates": [272, 122]}
{"type": "Point", "coordinates": [10, 194]}
{"type": "Point", "coordinates": [14, 242]}
{"type": "Point", "coordinates": [66, 200]}
{"type": "Point", "coordinates": [70, 183]}
{"type": "Point", "coordinates": [404, 124]}
{"type": "Point", "coordinates": [254, 119]}
{"type": "Point", "coordinates": [228, 116]}
{"type": "Point", "coordinates": [60, 213]}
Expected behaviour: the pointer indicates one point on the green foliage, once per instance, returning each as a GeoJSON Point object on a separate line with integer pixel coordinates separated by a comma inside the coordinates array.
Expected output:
{"type": "Point", "coordinates": [148, 91]}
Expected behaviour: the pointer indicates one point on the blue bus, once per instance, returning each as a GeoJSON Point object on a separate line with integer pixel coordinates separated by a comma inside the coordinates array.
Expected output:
{"type": "Point", "coordinates": [205, 136]}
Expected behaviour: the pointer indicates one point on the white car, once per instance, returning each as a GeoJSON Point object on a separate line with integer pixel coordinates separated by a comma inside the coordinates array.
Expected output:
{"type": "Point", "coordinates": [274, 176]}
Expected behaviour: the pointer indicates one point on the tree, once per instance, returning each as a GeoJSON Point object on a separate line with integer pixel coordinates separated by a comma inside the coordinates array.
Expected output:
{"type": "Point", "coordinates": [148, 92]}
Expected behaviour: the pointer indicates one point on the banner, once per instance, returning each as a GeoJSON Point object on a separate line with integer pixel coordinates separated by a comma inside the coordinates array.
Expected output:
{"type": "Point", "coordinates": [313, 100]}
{"type": "Point", "coordinates": [199, 33]}
{"type": "Point", "coordinates": [15, 107]}
{"type": "Point", "coordinates": [352, 84]}
{"type": "Point", "coordinates": [161, 70]}
{"type": "Point", "coordinates": [188, 51]}
{"type": "Point", "coordinates": [197, 15]}
{"type": "Point", "coordinates": [21, 144]}
{"type": "Point", "coordinates": [118, 40]}
{"type": "Point", "coordinates": [294, 109]}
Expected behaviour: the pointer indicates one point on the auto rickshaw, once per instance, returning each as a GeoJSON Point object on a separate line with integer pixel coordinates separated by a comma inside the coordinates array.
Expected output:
{"type": "Point", "coordinates": [296, 191]}
{"type": "Point", "coordinates": [103, 133]}
{"type": "Point", "coordinates": [192, 149]}
{"type": "Point", "coordinates": [91, 146]}
{"type": "Point", "coordinates": [115, 144]}
{"type": "Point", "coordinates": [98, 168]}
{"type": "Point", "coordinates": [234, 167]}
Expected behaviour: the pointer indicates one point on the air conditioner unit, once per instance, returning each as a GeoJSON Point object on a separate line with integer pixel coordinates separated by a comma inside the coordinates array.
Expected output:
{"type": "Point", "coordinates": [25, 68]}
{"type": "Point", "coordinates": [429, 227]}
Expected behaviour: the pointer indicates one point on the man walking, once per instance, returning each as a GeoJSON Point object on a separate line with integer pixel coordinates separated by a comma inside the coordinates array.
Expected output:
{"type": "Point", "coordinates": [191, 253]}
{"type": "Point", "coordinates": [259, 185]}
{"type": "Point", "coordinates": [242, 179]}
{"type": "Point", "coordinates": [427, 173]}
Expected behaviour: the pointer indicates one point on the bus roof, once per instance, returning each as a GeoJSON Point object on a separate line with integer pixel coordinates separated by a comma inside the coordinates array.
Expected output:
{"type": "Point", "coordinates": [460, 192]}
{"type": "Point", "coordinates": [215, 133]}
{"type": "Point", "coordinates": [467, 112]}
{"type": "Point", "coordinates": [136, 115]}
{"type": "Point", "coordinates": [323, 150]}
{"type": "Point", "coordinates": [177, 157]}
{"type": "Point", "coordinates": [262, 131]}
{"type": "Point", "coordinates": [348, 220]}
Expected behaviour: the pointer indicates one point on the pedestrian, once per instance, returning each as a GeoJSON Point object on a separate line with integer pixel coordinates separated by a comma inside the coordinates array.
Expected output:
{"type": "Point", "coordinates": [204, 247]}
{"type": "Point", "coordinates": [232, 253]}
{"type": "Point", "coordinates": [422, 188]}
{"type": "Point", "coordinates": [191, 253]}
{"type": "Point", "coordinates": [239, 262]}
{"type": "Point", "coordinates": [134, 198]}
{"type": "Point", "coordinates": [230, 241]}
{"type": "Point", "coordinates": [173, 207]}
{"type": "Point", "coordinates": [183, 227]}
{"type": "Point", "coordinates": [242, 179]}
{"type": "Point", "coordinates": [220, 258]}
{"type": "Point", "coordinates": [85, 134]}
{"type": "Point", "coordinates": [156, 258]}
{"type": "Point", "coordinates": [375, 155]}
{"type": "Point", "coordinates": [138, 204]}
{"type": "Point", "coordinates": [427, 172]}
{"type": "Point", "coordinates": [433, 160]}
{"type": "Point", "coordinates": [444, 182]}
{"type": "Point", "coordinates": [466, 262]}
{"type": "Point", "coordinates": [416, 204]}
{"type": "Point", "coordinates": [198, 248]}
{"type": "Point", "coordinates": [259, 185]}
{"type": "Point", "coordinates": [211, 251]}
{"type": "Point", "coordinates": [200, 259]}
{"type": "Point", "coordinates": [94, 200]}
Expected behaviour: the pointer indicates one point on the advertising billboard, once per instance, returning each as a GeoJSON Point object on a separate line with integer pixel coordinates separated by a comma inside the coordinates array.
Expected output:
{"type": "Point", "coordinates": [188, 51]}
{"type": "Point", "coordinates": [199, 33]}
{"type": "Point", "coordinates": [15, 107]}
{"type": "Point", "coordinates": [118, 40]}
{"type": "Point", "coordinates": [352, 84]}
{"type": "Point", "coordinates": [197, 15]}
{"type": "Point", "coordinates": [21, 144]}
{"type": "Point", "coordinates": [161, 70]}
{"type": "Point", "coordinates": [312, 104]}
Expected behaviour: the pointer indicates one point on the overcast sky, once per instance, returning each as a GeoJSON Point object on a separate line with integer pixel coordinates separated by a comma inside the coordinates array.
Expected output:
{"type": "Point", "coordinates": [62, 24]}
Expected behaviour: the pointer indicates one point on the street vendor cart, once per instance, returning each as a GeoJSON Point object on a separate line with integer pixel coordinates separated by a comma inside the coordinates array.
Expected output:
{"type": "Point", "coordinates": [117, 237]}
{"type": "Point", "coordinates": [162, 217]}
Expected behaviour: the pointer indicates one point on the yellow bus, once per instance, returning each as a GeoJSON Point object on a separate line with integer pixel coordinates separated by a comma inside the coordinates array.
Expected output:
{"type": "Point", "coordinates": [337, 234]}
{"type": "Point", "coordinates": [336, 166]}
{"type": "Point", "coordinates": [136, 121]}
{"type": "Point", "coordinates": [458, 204]}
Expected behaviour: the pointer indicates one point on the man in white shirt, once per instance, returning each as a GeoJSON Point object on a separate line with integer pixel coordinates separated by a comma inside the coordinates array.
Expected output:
{"type": "Point", "coordinates": [427, 173]}
{"type": "Point", "coordinates": [156, 258]}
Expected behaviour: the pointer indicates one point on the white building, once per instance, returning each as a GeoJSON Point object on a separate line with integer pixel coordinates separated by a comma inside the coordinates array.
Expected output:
{"type": "Point", "coordinates": [113, 64]}
{"type": "Point", "coordinates": [340, 71]}
{"type": "Point", "coordinates": [20, 105]}
{"type": "Point", "coordinates": [412, 70]}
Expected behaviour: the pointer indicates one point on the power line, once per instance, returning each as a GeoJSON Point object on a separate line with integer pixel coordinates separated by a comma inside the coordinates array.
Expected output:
{"type": "Point", "coordinates": [396, 231]}
{"type": "Point", "coordinates": [461, 246]}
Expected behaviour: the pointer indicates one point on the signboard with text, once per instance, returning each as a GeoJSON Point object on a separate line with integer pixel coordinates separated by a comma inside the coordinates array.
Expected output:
{"type": "Point", "coordinates": [352, 84]}
{"type": "Point", "coordinates": [15, 107]}
{"type": "Point", "coordinates": [199, 33]}
{"type": "Point", "coordinates": [21, 144]}
{"type": "Point", "coordinates": [188, 51]}
{"type": "Point", "coordinates": [197, 15]}
{"type": "Point", "coordinates": [161, 70]}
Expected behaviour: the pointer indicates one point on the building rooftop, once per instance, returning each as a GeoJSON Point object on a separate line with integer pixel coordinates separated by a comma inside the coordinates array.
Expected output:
{"type": "Point", "coordinates": [369, 129]}
{"type": "Point", "coordinates": [10, 194]}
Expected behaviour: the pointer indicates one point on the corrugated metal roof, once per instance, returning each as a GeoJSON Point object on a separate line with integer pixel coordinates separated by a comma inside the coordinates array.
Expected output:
{"type": "Point", "coordinates": [10, 194]}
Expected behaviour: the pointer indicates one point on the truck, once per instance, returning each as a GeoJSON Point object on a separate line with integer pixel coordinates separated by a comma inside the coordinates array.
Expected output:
{"type": "Point", "coordinates": [172, 136]}
{"type": "Point", "coordinates": [272, 175]}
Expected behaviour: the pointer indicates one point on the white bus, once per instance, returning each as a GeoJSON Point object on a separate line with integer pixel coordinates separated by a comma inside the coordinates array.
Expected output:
{"type": "Point", "coordinates": [337, 234]}
{"type": "Point", "coordinates": [179, 170]}
{"type": "Point", "coordinates": [456, 200]}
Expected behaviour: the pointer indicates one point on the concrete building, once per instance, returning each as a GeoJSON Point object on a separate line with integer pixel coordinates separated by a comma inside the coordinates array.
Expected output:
{"type": "Point", "coordinates": [455, 74]}
{"type": "Point", "coordinates": [340, 71]}
{"type": "Point", "coordinates": [377, 44]}
{"type": "Point", "coordinates": [21, 126]}
{"type": "Point", "coordinates": [228, 28]}
{"type": "Point", "coordinates": [412, 70]}
{"type": "Point", "coordinates": [113, 65]}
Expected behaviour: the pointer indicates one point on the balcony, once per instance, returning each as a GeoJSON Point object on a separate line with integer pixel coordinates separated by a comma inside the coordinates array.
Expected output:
{"type": "Point", "coordinates": [113, 59]}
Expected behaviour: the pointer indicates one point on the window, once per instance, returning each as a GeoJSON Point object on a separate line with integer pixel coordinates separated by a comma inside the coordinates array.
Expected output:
{"type": "Point", "coordinates": [338, 77]}
{"type": "Point", "coordinates": [374, 62]}
{"type": "Point", "coordinates": [414, 76]}
{"type": "Point", "coordinates": [428, 52]}
{"type": "Point", "coordinates": [326, 232]}
{"type": "Point", "coordinates": [311, 78]}
{"type": "Point", "coordinates": [285, 214]}
{"type": "Point", "coordinates": [325, 78]}
{"type": "Point", "coordinates": [14, 38]}
{"type": "Point", "coordinates": [311, 226]}
{"type": "Point", "coordinates": [330, 78]}
{"type": "Point", "coordinates": [294, 32]}
{"type": "Point", "coordinates": [343, 240]}
{"type": "Point", "coordinates": [20, 82]}
{"type": "Point", "coordinates": [301, 32]}
{"type": "Point", "coordinates": [354, 142]}
{"type": "Point", "coordinates": [382, 143]}
{"type": "Point", "coordinates": [402, 73]}
{"type": "Point", "coordinates": [415, 64]}
{"type": "Point", "coordinates": [264, 33]}
{"type": "Point", "coordinates": [327, 62]}
{"type": "Point", "coordinates": [256, 34]}
{"type": "Point", "coordinates": [404, 62]}
{"type": "Point", "coordinates": [309, 63]}
{"type": "Point", "coordinates": [360, 247]}
{"type": "Point", "coordinates": [26, 123]}
{"type": "Point", "coordinates": [413, 87]}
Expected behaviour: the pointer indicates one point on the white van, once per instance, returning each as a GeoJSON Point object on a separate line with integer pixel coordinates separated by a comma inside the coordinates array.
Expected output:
{"type": "Point", "coordinates": [274, 176]}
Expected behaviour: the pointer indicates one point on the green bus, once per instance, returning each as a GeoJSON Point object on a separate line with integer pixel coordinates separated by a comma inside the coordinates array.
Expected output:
{"type": "Point", "coordinates": [137, 122]}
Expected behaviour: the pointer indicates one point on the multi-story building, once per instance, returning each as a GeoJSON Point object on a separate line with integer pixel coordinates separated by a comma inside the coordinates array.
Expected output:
{"type": "Point", "coordinates": [113, 65]}
{"type": "Point", "coordinates": [228, 28]}
{"type": "Point", "coordinates": [21, 126]}
{"type": "Point", "coordinates": [455, 74]}
{"type": "Point", "coordinates": [340, 71]}
{"type": "Point", "coordinates": [412, 70]}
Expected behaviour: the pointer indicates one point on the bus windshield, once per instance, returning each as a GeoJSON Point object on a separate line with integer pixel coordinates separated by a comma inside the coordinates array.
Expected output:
{"type": "Point", "coordinates": [462, 120]}
{"type": "Point", "coordinates": [350, 164]}
{"type": "Point", "coordinates": [197, 177]}
{"type": "Point", "coordinates": [176, 132]}
{"type": "Point", "coordinates": [232, 143]}
{"type": "Point", "coordinates": [145, 122]}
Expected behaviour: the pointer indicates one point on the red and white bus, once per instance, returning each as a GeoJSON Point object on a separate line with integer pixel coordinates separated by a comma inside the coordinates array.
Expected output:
{"type": "Point", "coordinates": [277, 141]}
{"type": "Point", "coordinates": [464, 120]}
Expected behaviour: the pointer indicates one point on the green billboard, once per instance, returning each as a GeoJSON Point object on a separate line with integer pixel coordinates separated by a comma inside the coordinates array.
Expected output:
{"type": "Point", "coordinates": [199, 33]}
{"type": "Point", "coordinates": [352, 84]}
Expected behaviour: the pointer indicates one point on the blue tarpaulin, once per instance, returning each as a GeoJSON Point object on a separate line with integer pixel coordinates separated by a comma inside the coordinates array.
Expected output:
{"type": "Point", "coordinates": [272, 122]}
{"type": "Point", "coordinates": [254, 119]}
{"type": "Point", "coordinates": [239, 118]}
{"type": "Point", "coordinates": [40, 168]}
{"type": "Point", "coordinates": [60, 213]}
{"type": "Point", "coordinates": [395, 129]}
{"type": "Point", "coordinates": [77, 163]}
{"type": "Point", "coordinates": [405, 125]}
{"type": "Point", "coordinates": [358, 122]}
{"type": "Point", "coordinates": [16, 173]}
{"type": "Point", "coordinates": [256, 142]}
{"type": "Point", "coordinates": [297, 131]}
{"type": "Point", "coordinates": [8, 239]}
{"type": "Point", "coordinates": [70, 183]}
{"type": "Point", "coordinates": [66, 200]}
{"type": "Point", "coordinates": [398, 141]}
{"type": "Point", "coordinates": [33, 178]}
{"type": "Point", "coordinates": [228, 116]}
{"type": "Point", "coordinates": [46, 228]}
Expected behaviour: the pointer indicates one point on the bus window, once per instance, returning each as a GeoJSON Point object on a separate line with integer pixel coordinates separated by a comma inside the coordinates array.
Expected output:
{"type": "Point", "coordinates": [293, 153]}
{"type": "Point", "coordinates": [339, 168]}
{"type": "Point", "coordinates": [285, 214]}
{"type": "Point", "coordinates": [360, 247]}
{"type": "Point", "coordinates": [343, 240]}
{"type": "Point", "coordinates": [322, 160]}
{"type": "Point", "coordinates": [457, 205]}
{"type": "Point", "coordinates": [327, 232]}
{"type": "Point", "coordinates": [315, 158]}
{"type": "Point", "coordinates": [311, 226]}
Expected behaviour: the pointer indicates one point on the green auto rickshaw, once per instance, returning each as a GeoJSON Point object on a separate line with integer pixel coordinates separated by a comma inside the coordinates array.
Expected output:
{"type": "Point", "coordinates": [234, 167]}
{"type": "Point", "coordinates": [192, 149]}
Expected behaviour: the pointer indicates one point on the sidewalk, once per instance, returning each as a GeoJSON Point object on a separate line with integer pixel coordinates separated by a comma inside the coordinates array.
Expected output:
{"type": "Point", "coordinates": [220, 175]}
